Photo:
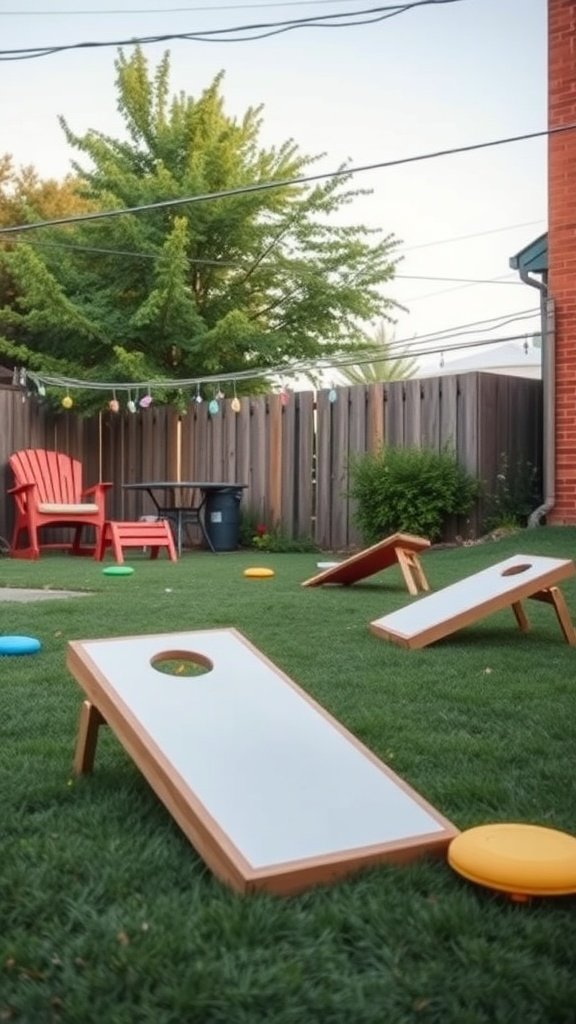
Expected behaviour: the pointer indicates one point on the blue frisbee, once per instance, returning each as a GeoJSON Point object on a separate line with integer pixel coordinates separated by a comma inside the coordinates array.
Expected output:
{"type": "Point", "coordinates": [19, 645]}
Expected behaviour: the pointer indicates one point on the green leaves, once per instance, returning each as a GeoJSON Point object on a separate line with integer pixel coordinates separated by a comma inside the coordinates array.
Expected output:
{"type": "Point", "coordinates": [213, 286]}
{"type": "Point", "coordinates": [409, 490]}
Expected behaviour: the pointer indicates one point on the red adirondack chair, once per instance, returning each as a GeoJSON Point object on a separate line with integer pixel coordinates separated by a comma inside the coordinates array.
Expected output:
{"type": "Point", "coordinates": [48, 492]}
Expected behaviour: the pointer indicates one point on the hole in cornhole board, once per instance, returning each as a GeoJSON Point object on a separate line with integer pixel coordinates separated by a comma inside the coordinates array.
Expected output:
{"type": "Point", "coordinates": [273, 792]}
{"type": "Point", "coordinates": [503, 585]}
{"type": "Point", "coordinates": [181, 663]}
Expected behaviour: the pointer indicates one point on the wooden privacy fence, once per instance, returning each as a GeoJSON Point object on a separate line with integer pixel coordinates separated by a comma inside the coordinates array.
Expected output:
{"type": "Point", "coordinates": [292, 456]}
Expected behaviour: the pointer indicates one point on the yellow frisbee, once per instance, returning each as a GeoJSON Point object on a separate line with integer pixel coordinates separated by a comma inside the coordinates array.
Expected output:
{"type": "Point", "coordinates": [258, 573]}
{"type": "Point", "coordinates": [523, 860]}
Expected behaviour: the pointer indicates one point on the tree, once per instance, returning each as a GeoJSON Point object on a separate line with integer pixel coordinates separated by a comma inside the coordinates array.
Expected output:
{"type": "Point", "coordinates": [380, 362]}
{"type": "Point", "coordinates": [227, 285]}
{"type": "Point", "coordinates": [24, 197]}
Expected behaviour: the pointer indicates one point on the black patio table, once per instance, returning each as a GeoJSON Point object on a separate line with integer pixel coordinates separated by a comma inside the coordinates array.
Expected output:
{"type": "Point", "coordinates": [163, 495]}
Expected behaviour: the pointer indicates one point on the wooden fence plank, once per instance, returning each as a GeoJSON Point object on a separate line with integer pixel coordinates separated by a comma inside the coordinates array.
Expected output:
{"type": "Point", "coordinates": [274, 460]}
{"type": "Point", "coordinates": [324, 476]}
{"type": "Point", "coordinates": [258, 447]}
{"type": "Point", "coordinates": [303, 464]}
{"type": "Point", "coordinates": [340, 445]}
{"type": "Point", "coordinates": [375, 416]}
{"type": "Point", "coordinates": [289, 462]}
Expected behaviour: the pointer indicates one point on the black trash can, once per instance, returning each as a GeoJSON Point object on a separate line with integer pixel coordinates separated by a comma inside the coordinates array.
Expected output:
{"type": "Point", "coordinates": [222, 518]}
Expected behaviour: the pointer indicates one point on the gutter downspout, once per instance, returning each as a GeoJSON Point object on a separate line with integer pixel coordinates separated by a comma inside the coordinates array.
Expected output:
{"type": "Point", "coordinates": [547, 319]}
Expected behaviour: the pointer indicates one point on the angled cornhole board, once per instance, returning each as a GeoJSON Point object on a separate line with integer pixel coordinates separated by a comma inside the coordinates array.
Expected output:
{"type": "Point", "coordinates": [503, 585]}
{"type": "Point", "coordinates": [272, 791]}
{"type": "Point", "coordinates": [400, 548]}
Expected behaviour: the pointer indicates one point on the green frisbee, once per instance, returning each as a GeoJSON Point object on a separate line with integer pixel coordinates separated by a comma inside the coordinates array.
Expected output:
{"type": "Point", "coordinates": [118, 570]}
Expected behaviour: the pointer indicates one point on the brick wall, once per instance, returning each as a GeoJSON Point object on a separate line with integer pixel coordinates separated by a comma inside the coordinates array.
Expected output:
{"type": "Point", "coordinates": [562, 244]}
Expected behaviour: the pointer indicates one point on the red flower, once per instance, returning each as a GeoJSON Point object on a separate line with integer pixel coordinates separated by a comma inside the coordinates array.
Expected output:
{"type": "Point", "coordinates": [261, 530]}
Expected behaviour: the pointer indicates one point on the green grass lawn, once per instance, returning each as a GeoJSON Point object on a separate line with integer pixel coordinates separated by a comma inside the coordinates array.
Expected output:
{"type": "Point", "coordinates": [108, 916]}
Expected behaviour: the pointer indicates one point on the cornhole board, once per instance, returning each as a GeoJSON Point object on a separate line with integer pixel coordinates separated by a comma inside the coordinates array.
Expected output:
{"type": "Point", "coordinates": [272, 791]}
{"type": "Point", "coordinates": [505, 584]}
{"type": "Point", "coordinates": [400, 548]}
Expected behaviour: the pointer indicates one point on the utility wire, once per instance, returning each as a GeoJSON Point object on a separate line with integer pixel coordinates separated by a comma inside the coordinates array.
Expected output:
{"type": "Point", "coordinates": [179, 10]}
{"type": "Point", "coordinates": [261, 30]}
{"type": "Point", "coordinates": [290, 182]}
{"type": "Point", "coordinates": [292, 369]}
{"type": "Point", "coordinates": [283, 370]}
{"type": "Point", "coordinates": [240, 266]}
{"type": "Point", "coordinates": [465, 238]}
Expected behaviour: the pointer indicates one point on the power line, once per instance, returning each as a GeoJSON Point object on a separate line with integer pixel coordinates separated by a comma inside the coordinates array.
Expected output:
{"type": "Point", "coordinates": [239, 266]}
{"type": "Point", "coordinates": [178, 10]}
{"type": "Point", "coordinates": [476, 234]}
{"type": "Point", "coordinates": [345, 359]}
{"type": "Point", "coordinates": [97, 251]}
{"type": "Point", "coordinates": [463, 280]}
{"type": "Point", "coordinates": [261, 30]}
{"type": "Point", "coordinates": [290, 370]}
{"type": "Point", "coordinates": [495, 321]}
{"type": "Point", "coordinates": [305, 179]}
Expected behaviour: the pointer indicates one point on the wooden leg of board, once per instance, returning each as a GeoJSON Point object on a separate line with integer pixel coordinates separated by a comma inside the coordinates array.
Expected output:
{"type": "Point", "coordinates": [555, 597]}
{"type": "Point", "coordinates": [520, 616]}
{"type": "Point", "coordinates": [88, 724]}
{"type": "Point", "coordinates": [412, 571]}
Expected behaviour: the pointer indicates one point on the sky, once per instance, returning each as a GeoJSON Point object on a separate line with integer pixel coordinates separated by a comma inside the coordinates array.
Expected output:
{"type": "Point", "coordinates": [436, 77]}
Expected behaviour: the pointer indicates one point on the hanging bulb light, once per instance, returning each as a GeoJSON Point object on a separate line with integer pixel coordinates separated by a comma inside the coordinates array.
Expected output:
{"type": "Point", "coordinates": [130, 404]}
{"type": "Point", "coordinates": [67, 402]}
{"type": "Point", "coordinates": [146, 400]}
{"type": "Point", "coordinates": [41, 390]}
{"type": "Point", "coordinates": [284, 397]}
{"type": "Point", "coordinates": [114, 404]}
{"type": "Point", "coordinates": [213, 407]}
{"type": "Point", "coordinates": [235, 403]}
{"type": "Point", "coordinates": [220, 394]}
{"type": "Point", "coordinates": [332, 395]}
{"type": "Point", "coordinates": [198, 399]}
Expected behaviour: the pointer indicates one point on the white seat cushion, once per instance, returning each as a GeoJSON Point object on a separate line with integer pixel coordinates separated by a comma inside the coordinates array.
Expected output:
{"type": "Point", "coordinates": [67, 510]}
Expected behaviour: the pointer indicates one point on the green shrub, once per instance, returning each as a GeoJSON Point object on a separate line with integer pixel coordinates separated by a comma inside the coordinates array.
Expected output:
{"type": "Point", "coordinates": [409, 490]}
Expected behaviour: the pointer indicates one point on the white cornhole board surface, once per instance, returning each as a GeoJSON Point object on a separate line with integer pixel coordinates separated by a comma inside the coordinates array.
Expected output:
{"type": "Point", "coordinates": [502, 585]}
{"type": "Point", "coordinates": [272, 791]}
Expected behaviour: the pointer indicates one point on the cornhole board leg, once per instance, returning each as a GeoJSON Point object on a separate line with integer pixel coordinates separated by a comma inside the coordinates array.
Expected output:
{"type": "Point", "coordinates": [503, 585]}
{"type": "Point", "coordinates": [89, 724]}
{"type": "Point", "coordinates": [520, 616]}
{"type": "Point", "coordinates": [555, 597]}
{"type": "Point", "coordinates": [412, 571]}
{"type": "Point", "coordinates": [401, 548]}
{"type": "Point", "coordinates": [272, 791]}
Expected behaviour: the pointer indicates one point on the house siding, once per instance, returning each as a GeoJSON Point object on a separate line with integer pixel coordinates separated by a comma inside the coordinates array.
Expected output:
{"type": "Point", "coordinates": [562, 245]}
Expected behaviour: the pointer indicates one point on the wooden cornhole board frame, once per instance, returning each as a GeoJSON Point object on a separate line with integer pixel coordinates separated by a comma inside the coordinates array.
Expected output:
{"type": "Point", "coordinates": [503, 585]}
{"type": "Point", "coordinates": [272, 791]}
{"type": "Point", "coordinates": [400, 548]}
